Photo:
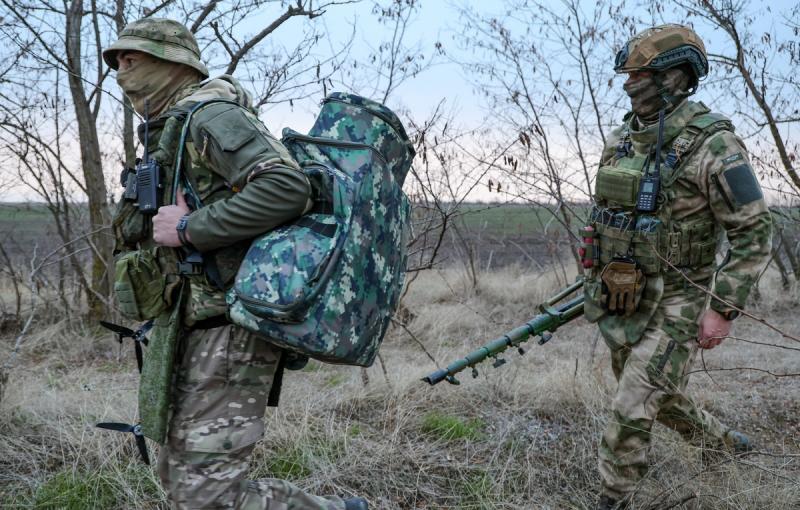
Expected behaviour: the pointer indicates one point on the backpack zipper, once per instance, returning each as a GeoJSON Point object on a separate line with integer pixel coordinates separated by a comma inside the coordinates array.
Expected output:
{"type": "Point", "coordinates": [293, 135]}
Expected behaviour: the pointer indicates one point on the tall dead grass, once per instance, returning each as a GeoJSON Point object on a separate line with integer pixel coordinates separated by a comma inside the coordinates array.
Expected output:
{"type": "Point", "coordinates": [522, 436]}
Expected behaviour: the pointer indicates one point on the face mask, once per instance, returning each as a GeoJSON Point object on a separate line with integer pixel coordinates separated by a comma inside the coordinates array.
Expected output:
{"type": "Point", "coordinates": [155, 80]}
{"type": "Point", "coordinates": [646, 100]}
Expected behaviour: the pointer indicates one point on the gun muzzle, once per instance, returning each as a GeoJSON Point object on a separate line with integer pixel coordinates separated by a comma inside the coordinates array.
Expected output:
{"type": "Point", "coordinates": [436, 377]}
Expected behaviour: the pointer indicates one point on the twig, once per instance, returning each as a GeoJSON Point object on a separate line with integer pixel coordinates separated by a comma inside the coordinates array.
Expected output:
{"type": "Point", "coordinates": [727, 303]}
{"type": "Point", "coordinates": [385, 373]}
{"type": "Point", "coordinates": [754, 369]}
{"type": "Point", "coordinates": [417, 340]}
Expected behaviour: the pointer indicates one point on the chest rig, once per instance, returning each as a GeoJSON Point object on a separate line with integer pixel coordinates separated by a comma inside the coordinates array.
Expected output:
{"type": "Point", "coordinates": [622, 231]}
{"type": "Point", "coordinates": [627, 245]}
{"type": "Point", "coordinates": [173, 151]}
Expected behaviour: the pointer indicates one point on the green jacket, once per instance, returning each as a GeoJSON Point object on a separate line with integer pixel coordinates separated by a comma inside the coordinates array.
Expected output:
{"type": "Point", "coordinates": [711, 190]}
{"type": "Point", "coordinates": [244, 183]}
{"type": "Point", "coordinates": [245, 179]}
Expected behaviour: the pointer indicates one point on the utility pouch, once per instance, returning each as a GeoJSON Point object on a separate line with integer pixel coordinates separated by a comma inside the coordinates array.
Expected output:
{"type": "Point", "coordinates": [619, 184]}
{"type": "Point", "coordinates": [139, 285]}
{"type": "Point", "coordinates": [593, 300]}
{"type": "Point", "coordinates": [130, 226]}
{"type": "Point", "coordinates": [623, 283]}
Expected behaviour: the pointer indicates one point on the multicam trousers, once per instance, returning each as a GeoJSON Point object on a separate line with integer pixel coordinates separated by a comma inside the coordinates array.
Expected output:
{"type": "Point", "coordinates": [652, 376]}
{"type": "Point", "coordinates": [222, 382]}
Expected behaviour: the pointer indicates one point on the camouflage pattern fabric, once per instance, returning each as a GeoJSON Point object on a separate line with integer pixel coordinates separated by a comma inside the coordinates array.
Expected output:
{"type": "Point", "coordinates": [653, 351]}
{"type": "Point", "coordinates": [652, 377]}
{"type": "Point", "coordinates": [352, 118]}
{"type": "Point", "coordinates": [162, 38]}
{"type": "Point", "coordinates": [662, 47]}
{"type": "Point", "coordinates": [231, 216]}
{"type": "Point", "coordinates": [697, 208]}
{"type": "Point", "coordinates": [327, 284]}
{"type": "Point", "coordinates": [157, 370]}
{"type": "Point", "coordinates": [222, 381]}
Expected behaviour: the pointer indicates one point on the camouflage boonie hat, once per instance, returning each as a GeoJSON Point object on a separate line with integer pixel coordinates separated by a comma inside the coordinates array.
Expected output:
{"type": "Point", "coordinates": [663, 47]}
{"type": "Point", "coordinates": [162, 38]}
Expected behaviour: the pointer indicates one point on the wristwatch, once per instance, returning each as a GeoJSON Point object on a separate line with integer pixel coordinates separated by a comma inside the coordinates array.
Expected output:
{"type": "Point", "coordinates": [730, 315]}
{"type": "Point", "coordinates": [181, 228]}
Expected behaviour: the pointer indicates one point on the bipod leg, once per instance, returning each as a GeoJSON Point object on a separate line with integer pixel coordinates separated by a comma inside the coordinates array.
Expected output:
{"type": "Point", "coordinates": [136, 430]}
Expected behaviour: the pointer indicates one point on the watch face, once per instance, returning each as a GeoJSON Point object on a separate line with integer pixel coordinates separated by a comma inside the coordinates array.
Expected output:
{"type": "Point", "coordinates": [732, 314]}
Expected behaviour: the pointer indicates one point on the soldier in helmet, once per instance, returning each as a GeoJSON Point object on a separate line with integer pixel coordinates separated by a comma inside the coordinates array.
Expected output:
{"type": "Point", "coordinates": [672, 178]}
{"type": "Point", "coordinates": [223, 179]}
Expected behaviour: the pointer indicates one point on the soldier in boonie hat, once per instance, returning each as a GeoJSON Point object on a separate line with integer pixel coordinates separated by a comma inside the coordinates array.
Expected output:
{"type": "Point", "coordinates": [155, 60]}
{"type": "Point", "coordinates": [206, 406]}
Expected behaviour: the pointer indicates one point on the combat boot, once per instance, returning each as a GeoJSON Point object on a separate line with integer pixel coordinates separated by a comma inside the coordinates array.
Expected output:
{"type": "Point", "coordinates": [737, 442]}
{"type": "Point", "coordinates": [609, 503]}
{"type": "Point", "coordinates": [355, 504]}
{"type": "Point", "coordinates": [733, 443]}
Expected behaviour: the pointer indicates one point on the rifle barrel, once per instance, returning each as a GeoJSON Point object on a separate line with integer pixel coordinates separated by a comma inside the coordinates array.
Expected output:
{"type": "Point", "coordinates": [546, 322]}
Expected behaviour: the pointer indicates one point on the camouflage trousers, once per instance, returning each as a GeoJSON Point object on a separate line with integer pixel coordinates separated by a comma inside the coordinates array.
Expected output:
{"type": "Point", "coordinates": [222, 382]}
{"type": "Point", "coordinates": [652, 376]}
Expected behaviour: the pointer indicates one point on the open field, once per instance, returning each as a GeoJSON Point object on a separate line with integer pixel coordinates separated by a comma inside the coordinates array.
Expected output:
{"type": "Point", "coordinates": [522, 436]}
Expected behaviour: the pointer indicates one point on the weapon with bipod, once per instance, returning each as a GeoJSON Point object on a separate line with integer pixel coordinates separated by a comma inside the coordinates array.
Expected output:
{"type": "Point", "coordinates": [553, 316]}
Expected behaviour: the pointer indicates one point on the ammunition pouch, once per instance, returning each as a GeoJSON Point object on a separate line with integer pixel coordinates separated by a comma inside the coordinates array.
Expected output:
{"type": "Point", "coordinates": [139, 285]}
{"type": "Point", "coordinates": [623, 284]}
{"type": "Point", "coordinates": [691, 244]}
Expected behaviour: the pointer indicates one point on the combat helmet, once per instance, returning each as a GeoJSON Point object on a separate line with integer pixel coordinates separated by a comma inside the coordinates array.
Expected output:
{"type": "Point", "coordinates": [162, 38]}
{"type": "Point", "coordinates": [663, 47]}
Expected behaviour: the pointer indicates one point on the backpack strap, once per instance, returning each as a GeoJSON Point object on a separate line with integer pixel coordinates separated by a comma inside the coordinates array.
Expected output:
{"type": "Point", "coordinates": [177, 167]}
{"type": "Point", "coordinates": [193, 261]}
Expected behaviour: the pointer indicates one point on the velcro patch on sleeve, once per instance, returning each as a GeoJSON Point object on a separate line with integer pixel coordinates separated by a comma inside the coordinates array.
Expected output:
{"type": "Point", "coordinates": [732, 159]}
{"type": "Point", "coordinates": [743, 184]}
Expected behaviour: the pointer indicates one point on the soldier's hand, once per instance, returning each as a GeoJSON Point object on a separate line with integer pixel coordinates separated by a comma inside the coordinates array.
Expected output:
{"type": "Point", "coordinates": [165, 221]}
{"type": "Point", "coordinates": [713, 328]}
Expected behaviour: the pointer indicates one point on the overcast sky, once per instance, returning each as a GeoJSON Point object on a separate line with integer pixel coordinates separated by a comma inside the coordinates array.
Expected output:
{"type": "Point", "coordinates": [436, 21]}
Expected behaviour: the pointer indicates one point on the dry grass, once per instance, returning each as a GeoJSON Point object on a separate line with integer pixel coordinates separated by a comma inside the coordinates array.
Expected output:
{"type": "Point", "coordinates": [519, 437]}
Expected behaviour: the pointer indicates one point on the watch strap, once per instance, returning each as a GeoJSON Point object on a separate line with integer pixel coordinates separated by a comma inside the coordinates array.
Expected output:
{"type": "Point", "coordinates": [183, 223]}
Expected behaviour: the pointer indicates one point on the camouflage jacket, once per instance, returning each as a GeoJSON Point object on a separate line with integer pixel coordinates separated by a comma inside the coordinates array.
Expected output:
{"type": "Point", "coordinates": [713, 188]}
{"type": "Point", "coordinates": [245, 180]}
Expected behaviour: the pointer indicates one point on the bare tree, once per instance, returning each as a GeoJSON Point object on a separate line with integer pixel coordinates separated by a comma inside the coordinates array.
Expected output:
{"type": "Point", "coordinates": [544, 70]}
{"type": "Point", "coordinates": [772, 92]}
{"type": "Point", "coordinates": [54, 117]}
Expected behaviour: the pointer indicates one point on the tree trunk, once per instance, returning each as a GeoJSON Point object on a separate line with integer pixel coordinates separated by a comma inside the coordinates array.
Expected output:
{"type": "Point", "coordinates": [127, 109]}
{"type": "Point", "coordinates": [793, 262]}
{"type": "Point", "coordinates": [92, 168]}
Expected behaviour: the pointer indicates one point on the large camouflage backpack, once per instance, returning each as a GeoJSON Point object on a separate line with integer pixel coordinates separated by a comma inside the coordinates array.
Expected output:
{"type": "Point", "coordinates": [327, 284]}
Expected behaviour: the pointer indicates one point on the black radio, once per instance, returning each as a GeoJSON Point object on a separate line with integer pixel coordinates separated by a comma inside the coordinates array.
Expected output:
{"type": "Point", "coordinates": [148, 175]}
{"type": "Point", "coordinates": [648, 193]}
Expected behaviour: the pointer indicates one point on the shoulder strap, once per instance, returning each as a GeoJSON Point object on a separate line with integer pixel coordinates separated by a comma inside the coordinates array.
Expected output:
{"type": "Point", "coordinates": [209, 262]}
{"type": "Point", "coordinates": [691, 137]}
{"type": "Point", "coordinates": [189, 112]}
